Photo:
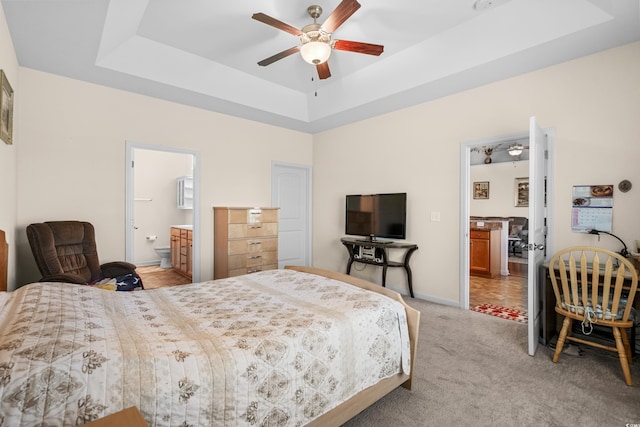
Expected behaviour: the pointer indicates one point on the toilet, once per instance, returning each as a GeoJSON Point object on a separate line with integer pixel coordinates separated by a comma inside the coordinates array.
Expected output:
{"type": "Point", "coordinates": [164, 252]}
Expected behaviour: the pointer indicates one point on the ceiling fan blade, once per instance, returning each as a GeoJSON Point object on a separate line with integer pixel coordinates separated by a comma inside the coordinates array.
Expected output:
{"type": "Point", "coordinates": [266, 19]}
{"type": "Point", "coordinates": [340, 14]}
{"type": "Point", "coordinates": [359, 47]}
{"type": "Point", "coordinates": [323, 70]}
{"type": "Point", "coordinates": [279, 56]}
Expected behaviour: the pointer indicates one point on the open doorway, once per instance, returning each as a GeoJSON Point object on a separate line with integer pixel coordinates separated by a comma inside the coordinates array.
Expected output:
{"type": "Point", "coordinates": [162, 198]}
{"type": "Point", "coordinates": [498, 224]}
{"type": "Point", "coordinates": [538, 194]}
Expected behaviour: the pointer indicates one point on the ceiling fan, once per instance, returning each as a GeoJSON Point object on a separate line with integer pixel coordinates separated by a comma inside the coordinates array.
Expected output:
{"type": "Point", "coordinates": [316, 43]}
{"type": "Point", "coordinates": [515, 150]}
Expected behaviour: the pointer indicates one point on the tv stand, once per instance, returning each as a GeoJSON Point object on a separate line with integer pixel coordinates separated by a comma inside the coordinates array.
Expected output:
{"type": "Point", "coordinates": [379, 242]}
{"type": "Point", "coordinates": [353, 247]}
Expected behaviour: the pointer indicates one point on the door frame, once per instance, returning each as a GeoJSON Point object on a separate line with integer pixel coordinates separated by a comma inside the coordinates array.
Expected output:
{"type": "Point", "coordinates": [130, 147]}
{"type": "Point", "coordinates": [465, 195]}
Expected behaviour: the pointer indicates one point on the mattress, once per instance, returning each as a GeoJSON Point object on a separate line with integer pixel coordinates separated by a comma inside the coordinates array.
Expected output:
{"type": "Point", "coordinates": [276, 348]}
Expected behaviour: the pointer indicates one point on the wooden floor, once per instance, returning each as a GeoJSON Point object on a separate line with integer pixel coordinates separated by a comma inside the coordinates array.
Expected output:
{"type": "Point", "coordinates": [507, 291]}
{"type": "Point", "coordinates": [155, 277]}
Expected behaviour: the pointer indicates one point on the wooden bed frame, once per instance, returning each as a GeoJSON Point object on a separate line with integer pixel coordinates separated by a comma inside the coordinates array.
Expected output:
{"type": "Point", "coordinates": [347, 410]}
{"type": "Point", "coordinates": [361, 401]}
{"type": "Point", "coordinates": [4, 261]}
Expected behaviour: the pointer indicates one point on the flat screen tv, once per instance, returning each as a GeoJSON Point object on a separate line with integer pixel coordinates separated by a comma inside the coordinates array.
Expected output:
{"type": "Point", "coordinates": [376, 215]}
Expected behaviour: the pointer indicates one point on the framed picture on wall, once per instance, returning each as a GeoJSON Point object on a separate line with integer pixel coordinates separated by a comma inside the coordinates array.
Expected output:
{"type": "Point", "coordinates": [6, 109]}
{"type": "Point", "coordinates": [481, 190]}
{"type": "Point", "coordinates": [522, 192]}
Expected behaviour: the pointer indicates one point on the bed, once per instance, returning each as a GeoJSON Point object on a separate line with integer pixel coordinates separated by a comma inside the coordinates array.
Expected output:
{"type": "Point", "coordinates": [291, 347]}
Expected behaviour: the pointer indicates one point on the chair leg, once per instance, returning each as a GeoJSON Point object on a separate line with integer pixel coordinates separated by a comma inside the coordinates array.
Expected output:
{"type": "Point", "coordinates": [622, 354]}
{"type": "Point", "coordinates": [627, 344]}
{"type": "Point", "coordinates": [566, 326]}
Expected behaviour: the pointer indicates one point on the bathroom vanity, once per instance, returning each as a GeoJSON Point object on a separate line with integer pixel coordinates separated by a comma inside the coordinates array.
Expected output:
{"type": "Point", "coordinates": [182, 249]}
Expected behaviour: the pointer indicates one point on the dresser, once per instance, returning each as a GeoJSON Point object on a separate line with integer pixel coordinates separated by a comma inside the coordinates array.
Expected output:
{"type": "Point", "coordinates": [245, 240]}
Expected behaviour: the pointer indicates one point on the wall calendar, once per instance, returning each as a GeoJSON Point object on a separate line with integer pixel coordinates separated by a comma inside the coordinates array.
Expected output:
{"type": "Point", "coordinates": [592, 208]}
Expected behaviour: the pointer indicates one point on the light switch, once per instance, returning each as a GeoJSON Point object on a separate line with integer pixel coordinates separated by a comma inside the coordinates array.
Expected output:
{"type": "Point", "coordinates": [435, 216]}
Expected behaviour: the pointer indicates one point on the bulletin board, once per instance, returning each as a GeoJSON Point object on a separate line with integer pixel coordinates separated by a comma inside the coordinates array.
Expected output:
{"type": "Point", "coordinates": [592, 208]}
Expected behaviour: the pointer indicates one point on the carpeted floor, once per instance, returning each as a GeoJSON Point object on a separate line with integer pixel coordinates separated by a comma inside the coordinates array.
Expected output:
{"type": "Point", "coordinates": [473, 370]}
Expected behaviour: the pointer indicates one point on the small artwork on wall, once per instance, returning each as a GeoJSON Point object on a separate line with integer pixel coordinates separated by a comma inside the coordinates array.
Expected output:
{"type": "Point", "coordinates": [6, 109]}
{"type": "Point", "coordinates": [481, 190]}
{"type": "Point", "coordinates": [522, 192]}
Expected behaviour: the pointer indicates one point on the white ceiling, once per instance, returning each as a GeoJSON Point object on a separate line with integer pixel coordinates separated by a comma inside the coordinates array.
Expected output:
{"type": "Point", "coordinates": [205, 53]}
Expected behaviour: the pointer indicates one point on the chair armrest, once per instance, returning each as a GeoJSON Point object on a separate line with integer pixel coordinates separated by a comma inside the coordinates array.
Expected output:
{"type": "Point", "coordinates": [64, 277]}
{"type": "Point", "coordinates": [117, 269]}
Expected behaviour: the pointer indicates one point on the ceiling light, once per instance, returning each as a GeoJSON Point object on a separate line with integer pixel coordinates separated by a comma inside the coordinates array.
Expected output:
{"type": "Point", "coordinates": [515, 150]}
{"type": "Point", "coordinates": [315, 52]}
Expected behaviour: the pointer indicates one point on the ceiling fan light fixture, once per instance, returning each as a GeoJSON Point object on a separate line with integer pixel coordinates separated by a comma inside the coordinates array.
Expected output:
{"type": "Point", "coordinates": [315, 52]}
{"type": "Point", "coordinates": [515, 150]}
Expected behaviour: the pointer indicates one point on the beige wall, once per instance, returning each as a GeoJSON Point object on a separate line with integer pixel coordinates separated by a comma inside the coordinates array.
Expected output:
{"type": "Point", "coordinates": [8, 153]}
{"type": "Point", "coordinates": [70, 138]}
{"type": "Point", "coordinates": [71, 163]}
{"type": "Point", "coordinates": [593, 104]}
{"type": "Point", "coordinates": [501, 178]}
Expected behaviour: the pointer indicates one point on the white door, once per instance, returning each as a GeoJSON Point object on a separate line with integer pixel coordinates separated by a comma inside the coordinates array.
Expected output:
{"type": "Point", "coordinates": [537, 229]}
{"type": "Point", "coordinates": [291, 192]}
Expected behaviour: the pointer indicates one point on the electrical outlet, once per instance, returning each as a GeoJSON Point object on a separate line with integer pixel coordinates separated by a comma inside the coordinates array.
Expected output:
{"type": "Point", "coordinates": [435, 216]}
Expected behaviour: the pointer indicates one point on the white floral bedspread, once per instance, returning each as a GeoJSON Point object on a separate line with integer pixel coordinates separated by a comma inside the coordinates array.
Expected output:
{"type": "Point", "coordinates": [277, 348]}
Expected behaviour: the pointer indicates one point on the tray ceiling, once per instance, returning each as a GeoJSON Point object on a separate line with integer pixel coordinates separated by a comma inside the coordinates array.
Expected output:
{"type": "Point", "coordinates": [205, 53]}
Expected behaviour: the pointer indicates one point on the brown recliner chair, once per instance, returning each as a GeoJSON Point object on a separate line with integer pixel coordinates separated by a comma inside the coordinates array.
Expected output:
{"type": "Point", "coordinates": [65, 251]}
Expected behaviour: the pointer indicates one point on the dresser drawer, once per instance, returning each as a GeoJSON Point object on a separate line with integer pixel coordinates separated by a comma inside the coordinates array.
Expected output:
{"type": "Point", "coordinates": [247, 246]}
{"type": "Point", "coordinates": [241, 271]}
{"type": "Point", "coordinates": [479, 234]}
{"type": "Point", "coordinates": [252, 216]}
{"type": "Point", "coordinates": [237, 231]}
{"type": "Point", "coordinates": [252, 260]}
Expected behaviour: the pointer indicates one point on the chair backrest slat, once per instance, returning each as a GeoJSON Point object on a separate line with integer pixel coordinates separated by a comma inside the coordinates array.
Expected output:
{"type": "Point", "coordinates": [575, 295]}
{"type": "Point", "coordinates": [592, 281]}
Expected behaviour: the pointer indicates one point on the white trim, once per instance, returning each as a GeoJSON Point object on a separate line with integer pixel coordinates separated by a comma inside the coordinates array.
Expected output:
{"type": "Point", "coordinates": [130, 146]}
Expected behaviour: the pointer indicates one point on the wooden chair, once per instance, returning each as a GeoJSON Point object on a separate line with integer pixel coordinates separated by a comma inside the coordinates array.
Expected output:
{"type": "Point", "coordinates": [589, 286]}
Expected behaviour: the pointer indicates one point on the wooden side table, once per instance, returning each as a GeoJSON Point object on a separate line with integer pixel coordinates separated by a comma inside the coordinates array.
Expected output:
{"type": "Point", "coordinates": [635, 259]}
{"type": "Point", "coordinates": [129, 417]}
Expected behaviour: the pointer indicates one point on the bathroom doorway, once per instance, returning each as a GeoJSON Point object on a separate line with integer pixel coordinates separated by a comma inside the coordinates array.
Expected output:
{"type": "Point", "coordinates": [154, 175]}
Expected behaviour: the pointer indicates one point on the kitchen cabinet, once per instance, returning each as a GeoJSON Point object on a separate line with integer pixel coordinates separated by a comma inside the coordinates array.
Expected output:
{"type": "Point", "coordinates": [484, 252]}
